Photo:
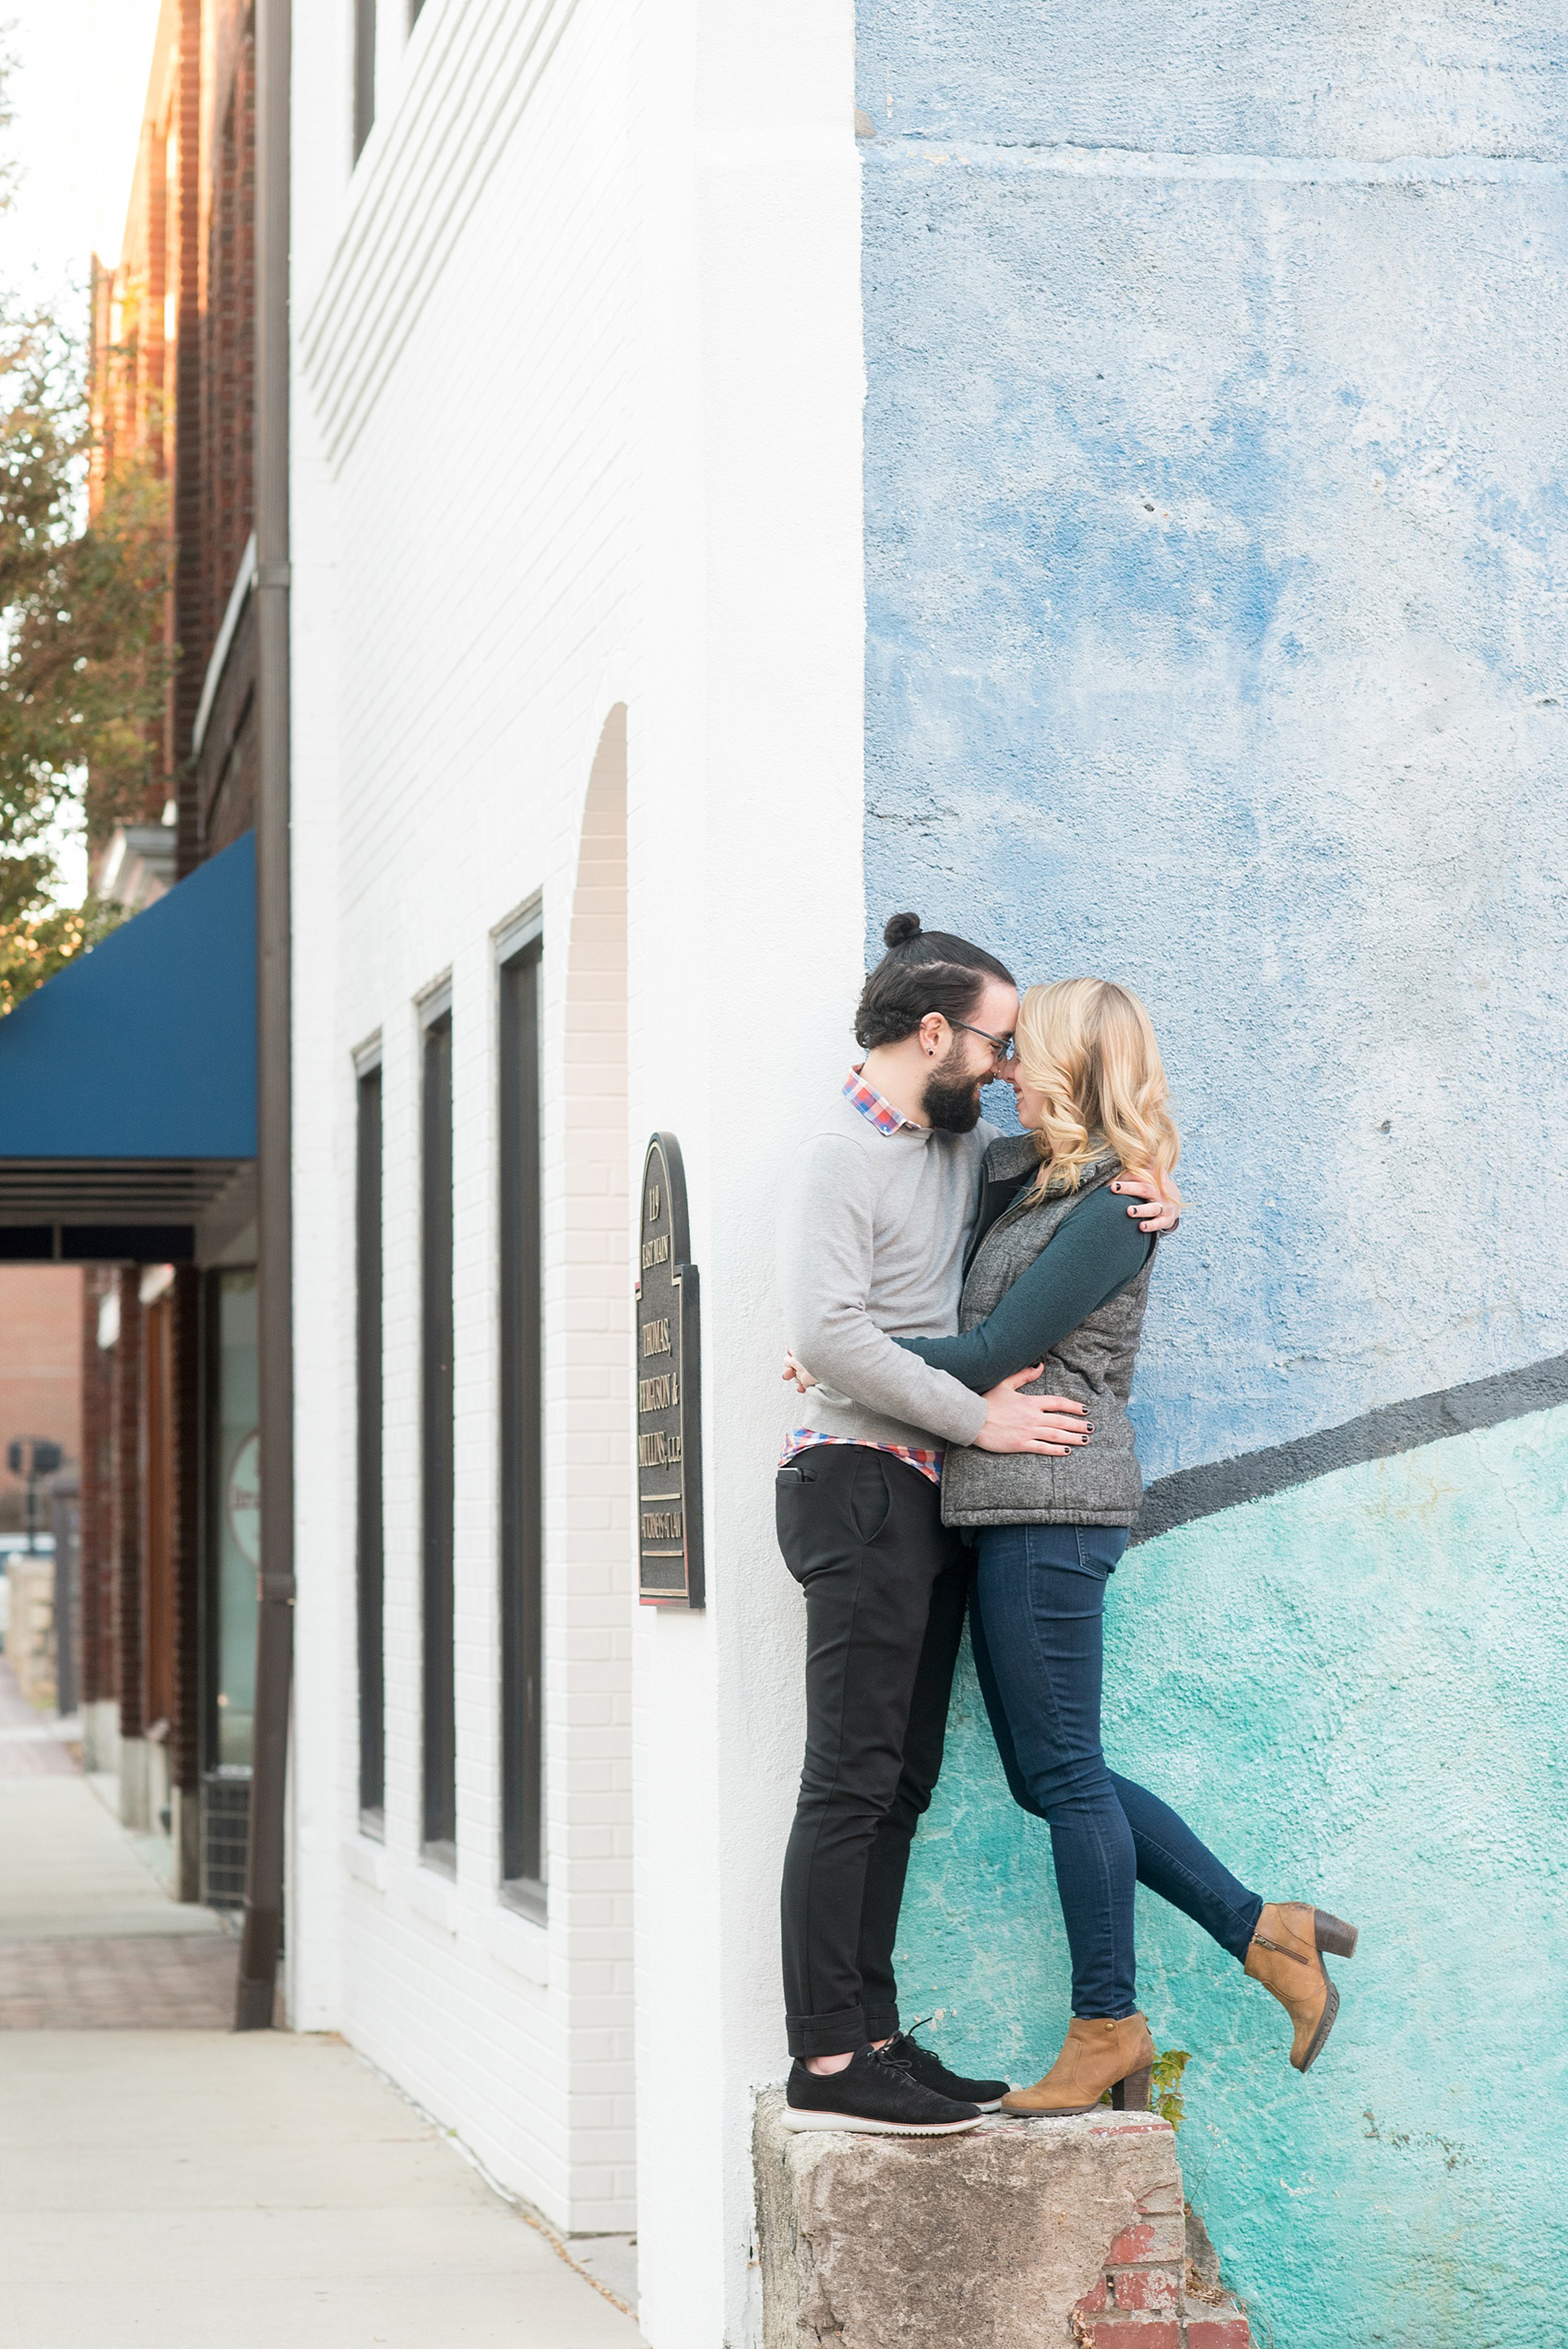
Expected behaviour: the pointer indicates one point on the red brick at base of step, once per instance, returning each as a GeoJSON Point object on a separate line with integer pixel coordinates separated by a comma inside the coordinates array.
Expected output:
{"type": "Point", "coordinates": [1185, 2330]}
{"type": "Point", "coordinates": [1141, 2300]}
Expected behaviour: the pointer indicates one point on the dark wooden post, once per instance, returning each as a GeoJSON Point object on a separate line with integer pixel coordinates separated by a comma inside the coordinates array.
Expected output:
{"type": "Point", "coordinates": [275, 1620]}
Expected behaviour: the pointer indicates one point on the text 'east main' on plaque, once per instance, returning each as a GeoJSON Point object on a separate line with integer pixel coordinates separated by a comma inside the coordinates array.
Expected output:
{"type": "Point", "coordinates": [669, 1377]}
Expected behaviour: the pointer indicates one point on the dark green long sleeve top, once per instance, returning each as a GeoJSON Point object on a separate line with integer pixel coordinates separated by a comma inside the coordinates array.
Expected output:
{"type": "Point", "coordinates": [1095, 1252]}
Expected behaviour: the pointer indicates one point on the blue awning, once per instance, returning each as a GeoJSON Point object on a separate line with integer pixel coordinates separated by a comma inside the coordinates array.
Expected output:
{"type": "Point", "coordinates": [128, 1081]}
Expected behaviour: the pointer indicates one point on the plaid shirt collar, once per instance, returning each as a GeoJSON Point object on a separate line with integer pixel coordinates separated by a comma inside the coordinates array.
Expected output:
{"type": "Point", "coordinates": [874, 1108]}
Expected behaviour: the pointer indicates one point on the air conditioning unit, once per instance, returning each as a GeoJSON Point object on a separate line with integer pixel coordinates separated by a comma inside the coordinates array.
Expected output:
{"type": "Point", "coordinates": [225, 1831]}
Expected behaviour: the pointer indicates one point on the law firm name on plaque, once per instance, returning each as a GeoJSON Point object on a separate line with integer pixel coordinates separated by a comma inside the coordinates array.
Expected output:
{"type": "Point", "coordinates": [668, 1370]}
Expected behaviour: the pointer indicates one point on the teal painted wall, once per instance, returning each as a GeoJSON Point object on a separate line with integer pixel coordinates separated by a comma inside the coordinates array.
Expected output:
{"type": "Point", "coordinates": [1355, 1692]}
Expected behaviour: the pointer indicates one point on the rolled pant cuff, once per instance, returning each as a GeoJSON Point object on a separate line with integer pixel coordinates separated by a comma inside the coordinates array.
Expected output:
{"type": "Point", "coordinates": [839, 2035]}
{"type": "Point", "coordinates": [882, 2022]}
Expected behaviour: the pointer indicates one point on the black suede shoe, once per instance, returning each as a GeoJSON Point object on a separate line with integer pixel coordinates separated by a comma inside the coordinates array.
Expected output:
{"type": "Point", "coordinates": [873, 2092]}
{"type": "Point", "coordinates": [932, 2072]}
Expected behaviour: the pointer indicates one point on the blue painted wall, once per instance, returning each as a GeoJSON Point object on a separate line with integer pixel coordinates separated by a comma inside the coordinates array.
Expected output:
{"type": "Point", "coordinates": [1216, 552]}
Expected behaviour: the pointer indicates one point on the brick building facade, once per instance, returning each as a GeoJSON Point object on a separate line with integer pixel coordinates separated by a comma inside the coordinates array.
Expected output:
{"type": "Point", "coordinates": [172, 388]}
{"type": "Point", "coordinates": [172, 369]}
{"type": "Point", "coordinates": [40, 1367]}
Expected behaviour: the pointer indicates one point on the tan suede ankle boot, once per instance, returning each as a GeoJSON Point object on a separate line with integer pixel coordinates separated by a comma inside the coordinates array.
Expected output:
{"type": "Point", "coordinates": [1098, 2054]}
{"type": "Point", "coordinates": [1285, 1957]}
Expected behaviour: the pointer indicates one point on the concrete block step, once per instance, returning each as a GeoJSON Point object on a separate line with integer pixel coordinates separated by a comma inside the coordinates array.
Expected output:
{"type": "Point", "coordinates": [1019, 2234]}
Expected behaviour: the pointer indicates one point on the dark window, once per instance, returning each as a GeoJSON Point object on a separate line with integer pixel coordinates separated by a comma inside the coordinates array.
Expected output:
{"type": "Point", "coordinates": [440, 1812]}
{"type": "Point", "coordinates": [371, 1555]}
{"type": "Point", "coordinates": [522, 1441]}
{"type": "Point", "coordinates": [364, 72]}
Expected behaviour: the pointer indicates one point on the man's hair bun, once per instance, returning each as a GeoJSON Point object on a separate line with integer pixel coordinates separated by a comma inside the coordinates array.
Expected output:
{"type": "Point", "coordinates": [922, 970]}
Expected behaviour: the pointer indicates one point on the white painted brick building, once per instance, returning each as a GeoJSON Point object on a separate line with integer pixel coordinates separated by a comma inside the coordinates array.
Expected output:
{"type": "Point", "coordinates": [578, 622]}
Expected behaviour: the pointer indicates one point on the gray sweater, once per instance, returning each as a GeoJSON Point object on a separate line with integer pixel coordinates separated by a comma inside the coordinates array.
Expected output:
{"type": "Point", "coordinates": [871, 1233]}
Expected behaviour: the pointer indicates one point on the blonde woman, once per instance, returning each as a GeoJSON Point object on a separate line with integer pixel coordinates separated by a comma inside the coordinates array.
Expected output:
{"type": "Point", "coordinates": [1057, 1279]}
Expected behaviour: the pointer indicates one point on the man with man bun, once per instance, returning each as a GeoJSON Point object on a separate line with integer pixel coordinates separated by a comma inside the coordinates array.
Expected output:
{"type": "Point", "coordinates": [875, 1217]}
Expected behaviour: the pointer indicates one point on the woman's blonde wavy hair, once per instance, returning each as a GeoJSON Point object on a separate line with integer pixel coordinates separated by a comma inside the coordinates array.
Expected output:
{"type": "Point", "coordinates": [1087, 1046]}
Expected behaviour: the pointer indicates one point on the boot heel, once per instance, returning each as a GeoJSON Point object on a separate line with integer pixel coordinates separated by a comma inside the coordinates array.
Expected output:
{"type": "Point", "coordinates": [1131, 2095]}
{"type": "Point", "coordinates": [1334, 1934]}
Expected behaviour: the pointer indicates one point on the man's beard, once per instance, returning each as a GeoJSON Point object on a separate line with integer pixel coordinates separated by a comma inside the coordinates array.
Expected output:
{"type": "Point", "coordinates": [952, 1101]}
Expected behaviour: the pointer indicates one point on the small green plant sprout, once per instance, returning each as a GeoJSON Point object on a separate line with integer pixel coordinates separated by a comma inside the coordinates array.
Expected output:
{"type": "Point", "coordinates": [1165, 2084]}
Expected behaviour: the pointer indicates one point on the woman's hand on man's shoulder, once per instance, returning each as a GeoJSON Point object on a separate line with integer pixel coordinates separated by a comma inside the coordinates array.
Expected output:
{"type": "Point", "coordinates": [1156, 1202]}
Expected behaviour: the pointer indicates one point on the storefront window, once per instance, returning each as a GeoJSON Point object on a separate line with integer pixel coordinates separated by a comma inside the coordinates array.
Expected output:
{"type": "Point", "coordinates": [239, 1519]}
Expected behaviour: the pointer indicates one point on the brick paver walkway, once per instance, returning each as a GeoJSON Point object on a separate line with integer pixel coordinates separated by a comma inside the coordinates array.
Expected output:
{"type": "Point", "coordinates": [90, 1940]}
{"type": "Point", "coordinates": [134, 1982]}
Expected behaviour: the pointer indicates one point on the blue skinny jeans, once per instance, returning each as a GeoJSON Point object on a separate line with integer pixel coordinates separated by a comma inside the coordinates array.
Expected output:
{"type": "Point", "coordinates": [1038, 1627]}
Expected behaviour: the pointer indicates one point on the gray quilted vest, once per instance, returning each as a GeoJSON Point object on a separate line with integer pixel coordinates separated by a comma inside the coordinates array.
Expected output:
{"type": "Point", "coordinates": [1100, 1483]}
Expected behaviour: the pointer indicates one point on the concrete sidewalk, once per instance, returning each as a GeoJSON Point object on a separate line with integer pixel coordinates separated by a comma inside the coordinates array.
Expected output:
{"type": "Point", "coordinates": [188, 2187]}
{"type": "Point", "coordinates": [70, 1869]}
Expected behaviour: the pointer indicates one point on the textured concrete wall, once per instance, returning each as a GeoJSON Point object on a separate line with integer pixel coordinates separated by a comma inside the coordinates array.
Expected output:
{"type": "Point", "coordinates": [1216, 555]}
{"type": "Point", "coordinates": [1351, 1692]}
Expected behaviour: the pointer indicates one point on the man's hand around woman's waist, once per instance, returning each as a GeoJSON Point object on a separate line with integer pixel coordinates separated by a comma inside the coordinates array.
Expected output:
{"type": "Point", "coordinates": [1015, 1422]}
{"type": "Point", "coordinates": [1018, 1423]}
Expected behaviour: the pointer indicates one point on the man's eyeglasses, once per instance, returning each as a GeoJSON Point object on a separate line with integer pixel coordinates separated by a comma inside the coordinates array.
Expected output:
{"type": "Point", "coordinates": [1000, 1045]}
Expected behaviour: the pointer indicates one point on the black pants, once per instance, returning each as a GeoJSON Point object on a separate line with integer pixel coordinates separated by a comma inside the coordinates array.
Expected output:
{"type": "Point", "coordinates": [884, 1580]}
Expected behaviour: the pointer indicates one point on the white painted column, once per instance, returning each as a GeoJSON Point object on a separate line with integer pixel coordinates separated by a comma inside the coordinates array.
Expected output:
{"type": "Point", "coordinates": [746, 924]}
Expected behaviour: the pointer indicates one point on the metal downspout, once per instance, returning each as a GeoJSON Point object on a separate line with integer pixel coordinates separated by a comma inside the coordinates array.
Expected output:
{"type": "Point", "coordinates": [275, 1619]}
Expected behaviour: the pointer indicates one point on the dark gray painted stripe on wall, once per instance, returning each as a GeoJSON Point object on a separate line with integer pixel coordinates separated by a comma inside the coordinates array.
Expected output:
{"type": "Point", "coordinates": [1377, 1435]}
